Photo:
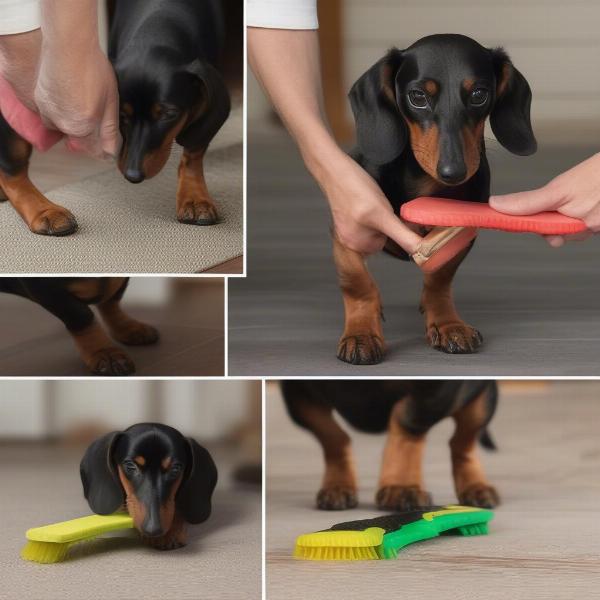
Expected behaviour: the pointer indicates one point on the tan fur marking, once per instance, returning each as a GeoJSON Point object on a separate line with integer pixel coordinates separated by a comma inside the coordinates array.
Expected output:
{"type": "Point", "coordinates": [362, 303]}
{"type": "Point", "coordinates": [135, 508]}
{"type": "Point", "coordinates": [403, 454]}
{"type": "Point", "coordinates": [35, 209]}
{"type": "Point", "coordinates": [88, 288]}
{"type": "Point", "coordinates": [127, 109]}
{"type": "Point", "coordinates": [91, 340]}
{"type": "Point", "coordinates": [468, 85]}
{"type": "Point", "coordinates": [472, 139]}
{"type": "Point", "coordinates": [166, 463]}
{"type": "Point", "coordinates": [425, 147]}
{"type": "Point", "coordinates": [140, 461]}
{"type": "Point", "coordinates": [431, 87]}
{"type": "Point", "coordinates": [340, 470]}
{"type": "Point", "coordinates": [193, 197]}
{"type": "Point", "coordinates": [466, 466]}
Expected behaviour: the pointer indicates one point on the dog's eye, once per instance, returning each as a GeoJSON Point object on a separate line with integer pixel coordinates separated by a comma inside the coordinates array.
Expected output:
{"type": "Point", "coordinates": [130, 467]}
{"type": "Point", "coordinates": [479, 96]}
{"type": "Point", "coordinates": [417, 98]}
{"type": "Point", "coordinates": [175, 469]}
{"type": "Point", "coordinates": [168, 114]}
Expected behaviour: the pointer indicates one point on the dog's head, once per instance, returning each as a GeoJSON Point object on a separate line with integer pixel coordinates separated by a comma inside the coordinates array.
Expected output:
{"type": "Point", "coordinates": [436, 96]}
{"type": "Point", "coordinates": [158, 103]}
{"type": "Point", "coordinates": [152, 469]}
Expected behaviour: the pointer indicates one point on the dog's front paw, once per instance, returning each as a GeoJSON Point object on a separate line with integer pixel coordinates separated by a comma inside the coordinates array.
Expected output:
{"type": "Point", "coordinates": [55, 221]}
{"type": "Point", "coordinates": [134, 333]}
{"type": "Point", "coordinates": [197, 212]}
{"type": "Point", "coordinates": [337, 498]}
{"type": "Point", "coordinates": [110, 362]}
{"type": "Point", "coordinates": [402, 497]}
{"type": "Point", "coordinates": [454, 338]}
{"type": "Point", "coordinates": [481, 495]}
{"type": "Point", "coordinates": [365, 349]}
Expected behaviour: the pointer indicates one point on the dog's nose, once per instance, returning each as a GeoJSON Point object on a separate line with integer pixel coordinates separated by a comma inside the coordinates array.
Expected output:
{"type": "Point", "coordinates": [452, 173]}
{"type": "Point", "coordinates": [152, 530]}
{"type": "Point", "coordinates": [134, 175]}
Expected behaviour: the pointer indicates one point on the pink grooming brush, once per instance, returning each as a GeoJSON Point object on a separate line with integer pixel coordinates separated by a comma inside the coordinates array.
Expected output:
{"type": "Point", "coordinates": [456, 222]}
{"type": "Point", "coordinates": [24, 121]}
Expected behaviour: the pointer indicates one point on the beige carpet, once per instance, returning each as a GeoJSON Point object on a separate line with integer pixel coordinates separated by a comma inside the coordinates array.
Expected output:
{"type": "Point", "coordinates": [126, 228]}
{"type": "Point", "coordinates": [221, 561]}
{"type": "Point", "coordinates": [544, 540]}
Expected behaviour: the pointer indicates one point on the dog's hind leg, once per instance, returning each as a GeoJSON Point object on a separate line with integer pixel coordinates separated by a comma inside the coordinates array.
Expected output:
{"type": "Point", "coordinates": [445, 330]}
{"type": "Point", "coordinates": [362, 340]}
{"type": "Point", "coordinates": [472, 487]}
{"type": "Point", "coordinates": [40, 215]}
{"type": "Point", "coordinates": [339, 488]}
{"type": "Point", "coordinates": [121, 326]}
{"type": "Point", "coordinates": [401, 484]}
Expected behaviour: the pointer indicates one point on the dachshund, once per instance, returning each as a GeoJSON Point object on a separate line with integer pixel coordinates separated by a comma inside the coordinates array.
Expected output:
{"type": "Point", "coordinates": [69, 299]}
{"type": "Point", "coordinates": [165, 55]}
{"type": "Point", "coordinates": [161, 478]}
{"type": "Point", "coordinates": [420, 115]}
{"type": "Point", "coordinates": [406, 410]}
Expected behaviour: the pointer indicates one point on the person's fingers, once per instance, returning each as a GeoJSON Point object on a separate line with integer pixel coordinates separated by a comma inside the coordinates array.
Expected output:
{"type": "Point", "coordinates": [527, 203]}
{"type": "Point", "coordinates": [110, 138]}
{"type": "Point", "coordinates": [87, 145]}
{"type": "Point", "coordinates": [395, 229]}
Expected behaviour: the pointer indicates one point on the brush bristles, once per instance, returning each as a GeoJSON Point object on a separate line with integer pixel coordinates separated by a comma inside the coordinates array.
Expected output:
{"type": "Point", "coordinates": [45, 552]}
{"type": "Point", "coordinates": [336, 553]}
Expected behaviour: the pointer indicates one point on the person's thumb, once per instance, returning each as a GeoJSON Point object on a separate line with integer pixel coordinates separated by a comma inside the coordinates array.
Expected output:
{"type": "Point", "coordinates": [527, 203]}
{"type": "Point", "coordinates": [395, 229]}
{"type": "Point", "coordinates": [110, 138]}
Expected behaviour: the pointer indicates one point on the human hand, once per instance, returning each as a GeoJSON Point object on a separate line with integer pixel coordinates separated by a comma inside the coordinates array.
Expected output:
{"type": "Point", "coordinates": [76, 93]}
{"type": "Point", "coordinates": [363, 217]}
{"type": "Point", "coordinates": [575, 193]}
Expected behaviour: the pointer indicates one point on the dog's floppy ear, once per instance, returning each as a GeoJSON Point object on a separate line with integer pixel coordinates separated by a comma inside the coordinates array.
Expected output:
{"type": "Point", "coordinates": [381, 133]}
{"type": "Point", "coordinates": [208, 97]}
{"type": "Point", "coordinates": [193, 499]}
{"type": "Point", "coordinates": [101, 486]}
{"type": "Point", "coordinates": [510, 118]}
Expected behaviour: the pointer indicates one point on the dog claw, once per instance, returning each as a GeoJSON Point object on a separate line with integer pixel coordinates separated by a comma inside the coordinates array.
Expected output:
{"type": "Point", "coordinates": [54, 222]}
{"type": "Point", "coordinates": [337, 498]}
{"type": "Point", "coordinates": [454, 338]}
{"type": "Point", "coordinates": [198, 213]}
{"type": "Point", "coordinates": [481, 495]}
{"type": "Point", "coordinates": [361, 349]}
{"type": "Point", "coordinates": [111, 362]}
{"type": "Point", "coordinates": [400, 497]}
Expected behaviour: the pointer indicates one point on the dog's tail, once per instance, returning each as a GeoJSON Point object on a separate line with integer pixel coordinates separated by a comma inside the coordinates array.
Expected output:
{"type": "Point", "coordinates": [486, 440]}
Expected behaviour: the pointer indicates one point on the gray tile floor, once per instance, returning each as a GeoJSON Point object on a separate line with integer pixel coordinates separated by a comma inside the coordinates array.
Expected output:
{"type": "Point", "coordinates": [543, 541]}
{"type": "Point", "coordinates": [536, 307]}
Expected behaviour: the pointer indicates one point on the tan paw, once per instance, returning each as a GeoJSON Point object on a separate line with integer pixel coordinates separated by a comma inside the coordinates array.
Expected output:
{"type": "Point", "coordinates": [454, 338]}
{"type": "Point", "coordinates": [197, 212]}
{"type": "Point", "coordinates": [110, 362]}
{"type": "Point", "coordinates": [401, 497]}
{"type": "Point", "coordinates": [337, 498]}
{"type": "Point", "coordinates": [54, 221]}
{"type": "Point", "coordinates": [482, 495]}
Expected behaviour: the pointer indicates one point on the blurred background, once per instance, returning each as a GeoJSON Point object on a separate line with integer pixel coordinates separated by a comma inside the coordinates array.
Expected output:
{"type": "Point", "coordinates": [535, 307]}
{"type": "Point", "coordinates": [45, 427]}
{"type": "Point", "coordinates": [187, 311]}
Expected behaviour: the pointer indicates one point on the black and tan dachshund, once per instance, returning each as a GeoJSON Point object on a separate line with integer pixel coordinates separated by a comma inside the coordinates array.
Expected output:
{"type": "Point", "coordinates": [420, 115]}
{"type": "Point", "coordinates": [69, 299]}
{"type": "Point", "coordinates": [165, 55]}
{"type": "Point", "coordinates": [160, 477]}
{"type": "Point", "coordinates": [406, 410]}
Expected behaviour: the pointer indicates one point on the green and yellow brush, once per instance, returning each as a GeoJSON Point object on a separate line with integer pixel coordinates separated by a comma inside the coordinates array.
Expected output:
{"type": "Point", "coordinates": [382, 537]}
{"type": "Point", "coordinates": [50, 544]}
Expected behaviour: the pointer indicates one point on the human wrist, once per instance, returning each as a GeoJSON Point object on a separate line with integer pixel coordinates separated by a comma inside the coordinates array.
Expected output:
{"type": "Point", "coordinates": [70, 28]}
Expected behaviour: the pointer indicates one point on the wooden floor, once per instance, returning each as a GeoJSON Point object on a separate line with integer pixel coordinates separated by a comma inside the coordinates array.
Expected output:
{"type": "Point", "coordinates": [543, 542]}
{"type": "Point", "coordinates": [59, 167]}
{"type": "Point", "coordinates": [191, 325]}
{"type": "Point", "coordinates": [536, 307]}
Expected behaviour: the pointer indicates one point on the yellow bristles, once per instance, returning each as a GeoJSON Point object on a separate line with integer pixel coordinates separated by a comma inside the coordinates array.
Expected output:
{"type": "Point", "coordinates": [45, 552]}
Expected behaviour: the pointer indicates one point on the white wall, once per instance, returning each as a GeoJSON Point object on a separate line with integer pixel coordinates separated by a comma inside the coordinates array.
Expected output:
{"type": "Point", "coordinates": [37, 409]}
